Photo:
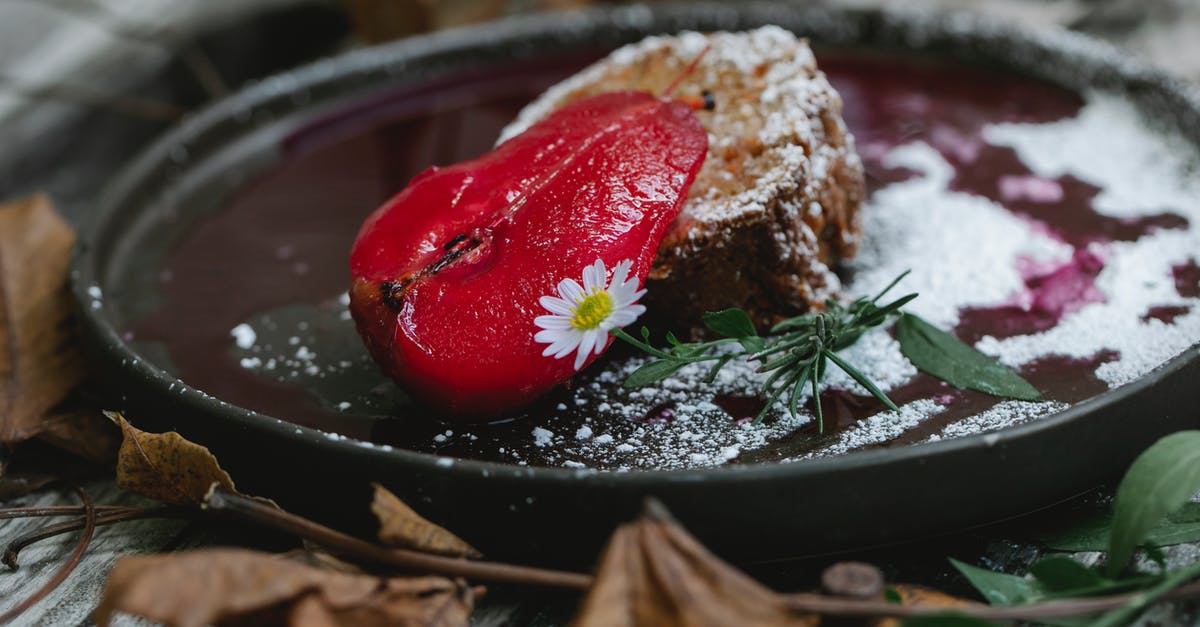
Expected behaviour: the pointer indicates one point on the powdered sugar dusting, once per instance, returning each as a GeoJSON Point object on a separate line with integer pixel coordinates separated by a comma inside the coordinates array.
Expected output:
{"type": "Point", "coordinates": [1091, 147]}
{"type": "Point", "coordinates": [880, 428]}
{"type": "Point", "coordinates": [1140, 172]}
{"type": "Point", "coordinates": [961, 249]}
{"type": "Point", "coordinates": [1005, 414]}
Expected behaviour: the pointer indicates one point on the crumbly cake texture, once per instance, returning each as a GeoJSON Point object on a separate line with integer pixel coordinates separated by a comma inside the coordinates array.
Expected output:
{"type": "Point", "coordinates": [776, 204]}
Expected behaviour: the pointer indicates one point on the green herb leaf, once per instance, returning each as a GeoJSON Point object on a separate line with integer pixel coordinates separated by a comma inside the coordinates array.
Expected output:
{"type": "Point", "coordinates": [998, 588]}
{"type": "Point", "coordinates": [891, 595]}
{"type": "Point", "coordinates": [1156, 555]}
{"type": "Point", "coordinates": [861, 379]}
{"type": "Point", "coordinates": [1092, 534]}
{"type": "Point", "coordinates": [942, 355]}
{"type": "Point", "coordinates": [652, 372]}
{"type": "Point", "coordinates": [795, 355]}
{"type": "Point", "coordinates": [752, 344]}
{"type": "Point", "coordinates": [1161, 479]}
{"type": "Point", "coordinates": [730, 323]}
{"type": "Point", "coordinates": [1126, 613]}
{"type": "Point", "coordinates": [1059, 573]}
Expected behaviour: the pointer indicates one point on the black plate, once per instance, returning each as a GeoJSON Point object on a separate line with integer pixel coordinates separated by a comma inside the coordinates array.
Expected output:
{"type": "Point", "coordinates": [748, 512]}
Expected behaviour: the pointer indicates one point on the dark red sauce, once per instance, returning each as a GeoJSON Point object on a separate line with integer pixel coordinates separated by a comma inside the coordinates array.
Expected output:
{"type": "Point", "coordinates": [1049, 295]}
{"type": "Point", "coordinates": [1187, 279]}
{"type": "Point", "coordinates": [1166, 313]}
{"type": "Point", "coordinates": [282, 242]}
{"type": "Point", "coordinates": [740, 408]}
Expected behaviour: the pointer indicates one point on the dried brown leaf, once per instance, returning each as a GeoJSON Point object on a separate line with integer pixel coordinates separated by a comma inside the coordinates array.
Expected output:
{"type": "Point", "coordinates": [313, 555]}
{"type": "Point", "coordinates": [83, 432]}
{"type": "Point", "coordinates": [165, 466]}
{"type": "Point", "coordinates": [400, 526]}
{"type": "Point", "coordinates": [16, 485]}
{"type": "Point", "coordinates": [654, 573]}
{"type": "Point", "coordinates": [40, 362]}
{"type": "Point", "coordinates": [228, 586]}
{"type": "Point", "coordinates": [920, 596]}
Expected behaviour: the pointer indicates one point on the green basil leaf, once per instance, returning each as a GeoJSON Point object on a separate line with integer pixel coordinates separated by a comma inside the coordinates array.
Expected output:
{"type": "Point", "coordinates": [1181, 527]}
{"type": "Point", "coordinates": [1126, 613]}
{"type": "Point", "coordinates": [1156, 555]}
{"type": "Point", "coordinates": [1090, 534]}
{"type": "Point", "coordinates": [799, 322]}
{"type": "Point", "coordinates": [730, 323]}
{"type": "Point", "coordinates": [1059, 573]}
{"type": "Point", "coordinates": [1160, 481]}
{"type": "Point", "coordinates": [944, 356]}
{"type": "Point", "coordinates": [752, 344]}
{"type": "Point", "coordinates": [999, 588]}
{"type": "Point", "coordinates": [652, 372]}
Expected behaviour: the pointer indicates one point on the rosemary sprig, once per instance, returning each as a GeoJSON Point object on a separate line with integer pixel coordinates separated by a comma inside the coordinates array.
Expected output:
{"type": "Point", "coordinates": [796, 355]}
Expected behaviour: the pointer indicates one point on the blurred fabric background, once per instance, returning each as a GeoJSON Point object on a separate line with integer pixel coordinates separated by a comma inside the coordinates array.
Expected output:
{"type": "Point", "coordinates": [86, 82]}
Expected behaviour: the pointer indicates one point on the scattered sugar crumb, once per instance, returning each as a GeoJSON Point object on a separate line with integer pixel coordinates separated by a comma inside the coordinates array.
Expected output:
{"type": "Point", "coordinates": [542, 437]}
{"type": "Point", "coordinates": [881, 427]}
{"type": "Point", "coordinates": [243, 336]}
{"type": "Point", "coordinates": [1006, 414]}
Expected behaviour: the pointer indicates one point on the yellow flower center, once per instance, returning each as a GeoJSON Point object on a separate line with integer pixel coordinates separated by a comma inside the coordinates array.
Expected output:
{"type": "Point", "coordinates": [591, 310]}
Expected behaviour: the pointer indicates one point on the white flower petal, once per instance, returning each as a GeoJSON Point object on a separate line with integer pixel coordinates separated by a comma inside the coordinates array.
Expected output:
{"type": "Point", "coordinates": [620, 273]}
{"type": "Point", "coordinates": [570, 290]}
{"type": "Point", "coordinates": [569, 344]}
{"type": "Point", "coordinates": [593, 277]}
{"type": "Point", "coordinates": [586, 343]}
{"type": "Point", "coordinates": [600, 337]}
{"type": "Point", "coordinates": [625, 294]}
{"type": "Point", "coordinates": [562, 346]}
{"type": "Point", "coordinates": [557, 323]}
{"type": "Point", "coordinates": [623, 317]}
{"type": "Point", "coordinates": [556, 305]}
{"type": "Point", "coordinates": [548, 336]}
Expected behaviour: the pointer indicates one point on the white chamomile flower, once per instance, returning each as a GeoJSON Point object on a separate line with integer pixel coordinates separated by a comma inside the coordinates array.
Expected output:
{"type": "Point", "coordinates": [581, 317]}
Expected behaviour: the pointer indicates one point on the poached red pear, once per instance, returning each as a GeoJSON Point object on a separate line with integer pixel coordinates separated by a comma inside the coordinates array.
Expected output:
{"type": "Point", "coordinates": [482, 285]}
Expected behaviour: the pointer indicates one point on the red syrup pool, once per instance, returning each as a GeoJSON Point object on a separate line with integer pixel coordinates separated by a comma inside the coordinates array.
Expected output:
{"type": "Point", "coordinates": [272, 265]}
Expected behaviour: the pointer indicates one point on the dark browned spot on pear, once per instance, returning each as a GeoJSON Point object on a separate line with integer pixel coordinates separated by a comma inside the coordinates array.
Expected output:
{"type": "Point", "coordinates": [393, 291]}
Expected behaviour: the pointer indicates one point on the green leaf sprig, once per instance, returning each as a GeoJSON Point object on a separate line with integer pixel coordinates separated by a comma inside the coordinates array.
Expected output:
{"type": "Point", "coordinates": [797, 354]}
{"type": "Point", "coordinates": [1156, 489]}
{"type": "Point", "coordinates": [800, 349]}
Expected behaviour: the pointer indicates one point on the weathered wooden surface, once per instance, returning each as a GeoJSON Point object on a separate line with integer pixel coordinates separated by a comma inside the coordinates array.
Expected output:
{"type": "Point", "coordinates": [71, 603]}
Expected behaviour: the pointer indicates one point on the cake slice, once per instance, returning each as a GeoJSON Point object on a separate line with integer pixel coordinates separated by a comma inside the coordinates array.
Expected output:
{"type": "Point", "coordinates": [775, 205]}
